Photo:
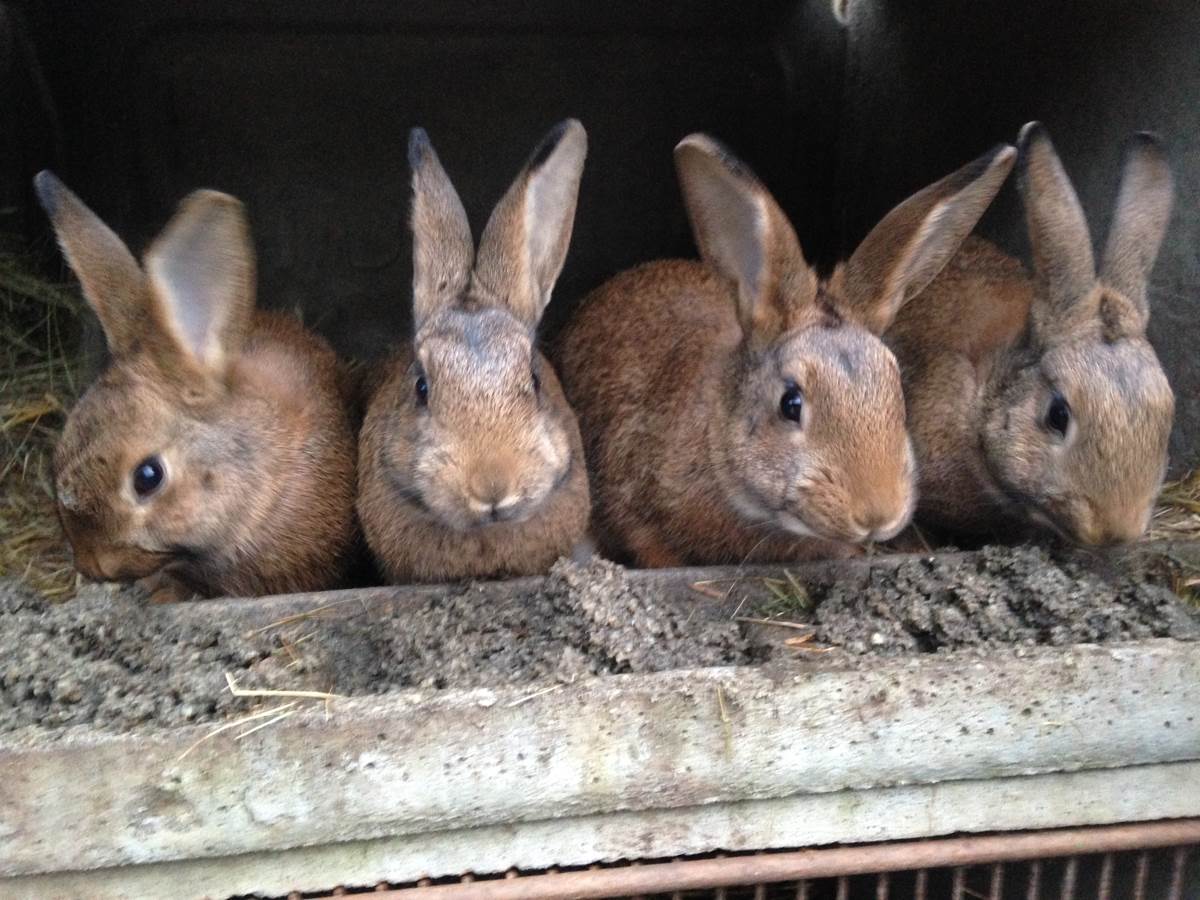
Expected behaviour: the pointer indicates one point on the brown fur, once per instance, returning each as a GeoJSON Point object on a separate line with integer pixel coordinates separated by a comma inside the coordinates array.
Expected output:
{"type": "Point", "coordinates": [985, 346]}
{"type": "Point", "coordinates": [486, 476]}
{"type": "Point", "coordinates": [676, 370]}
{"type": "Point", "coordinates": [943, 362]}
{"type": "Point", "coordinates": [413, 543]}
{"type": "Point", "coordinates": [246, 409]}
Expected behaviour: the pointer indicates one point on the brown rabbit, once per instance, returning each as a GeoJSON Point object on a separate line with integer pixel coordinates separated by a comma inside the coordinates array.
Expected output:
{"type": "Point", "coordinates": [1039, 401]}
{"type": "Point", "coordinates": [740, 407]}
{"type": "Point", "coordinates": [214, 454]}
{"type": "Point", "coordinates": [470, 459]}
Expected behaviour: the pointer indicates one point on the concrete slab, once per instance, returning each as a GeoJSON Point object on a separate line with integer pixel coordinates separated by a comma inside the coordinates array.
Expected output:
{"type": "Point", "coordinates": [407, 766]}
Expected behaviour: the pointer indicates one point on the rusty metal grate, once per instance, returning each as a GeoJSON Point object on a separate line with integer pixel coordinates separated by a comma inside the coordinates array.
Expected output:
{"type": "Point", "coordinates": [1148, 861]}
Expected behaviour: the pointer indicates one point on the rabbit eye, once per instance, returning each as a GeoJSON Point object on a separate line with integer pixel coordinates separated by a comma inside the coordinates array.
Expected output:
{"type": "Point", "coordinates": [1058, 416]}
{"type": "Point", "coordinates": [537, 383]}
{"type": "Point", "coordinates": [791, 404]}
{"type": "Point", "coordinates": [148, 476]}
{"type": "Point", "coordinates": [422, 391]}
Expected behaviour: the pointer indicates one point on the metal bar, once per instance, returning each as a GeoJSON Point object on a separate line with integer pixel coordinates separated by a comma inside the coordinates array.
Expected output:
{"type": "Point", "coordinates": [1178, 866]}
{"type": "Point", "coordinates": [921, 885]}
{"type": "Point", "coordinates": [657, 878]}
{"type": "Point", "coordinates": [1070, 876]}
{"type": "Point", "coordinates": [1104, 891]}
{"type": "Point", "coordinates": [960, 883]}
{"type": "Point", "coordinates": [719, 893]}
{"type": "Point", "coordinates": [996, 890]}
{"type": "Point", "coordinates": [881, 886]}
{"type": "Point", "coordinates": [637, 862]}
{"type": "Point", "coordinates": [843, 888]}
{"type": "Point", "coordinates": [676, 895]}
{"type": "Point", "coordinates": [1034, 892]}
{"type": "Point", "coordinates": [1143, 870]}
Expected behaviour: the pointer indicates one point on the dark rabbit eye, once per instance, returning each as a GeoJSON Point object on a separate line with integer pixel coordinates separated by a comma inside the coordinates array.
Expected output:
{"type": "Point", "coordinates": [537, 383]}
{"type": "Point", "coordinates": [148, 476]}
{"type": "Point", "coordinates": [1058, 416]}
{"type": "Point", "coordinates": [791, 404]}
{"type": "Point", "coordinates": [422, 391]}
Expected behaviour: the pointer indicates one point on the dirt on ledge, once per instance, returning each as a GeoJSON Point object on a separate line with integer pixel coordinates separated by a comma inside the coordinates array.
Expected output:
{"type": "Point", "coordinates": [994, 597]}
{"type": "Point", "coordinates": [110, 661]}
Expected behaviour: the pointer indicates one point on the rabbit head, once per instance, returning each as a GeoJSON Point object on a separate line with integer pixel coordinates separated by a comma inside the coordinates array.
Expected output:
{"type": "Point", "coordinates": [1076, 430]}
{"type": "Point", "coordinates": [169, 462]}
{"type": "Point", "coordinates": [815, 440]}
{"type": "Point", "coordinates": [482, 434]}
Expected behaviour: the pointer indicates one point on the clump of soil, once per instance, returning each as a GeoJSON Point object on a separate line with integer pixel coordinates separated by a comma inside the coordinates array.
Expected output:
{"type": "Point", "coordinates": [586, 620]}
{"type": "Point", "coordinates": [997, 596]}
{"type": "Point", "coordinates": [109, 660]}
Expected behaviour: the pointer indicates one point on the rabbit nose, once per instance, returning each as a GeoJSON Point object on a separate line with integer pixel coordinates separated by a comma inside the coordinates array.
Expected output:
{"type": "Point", "coordinates": [883, 523]}
{"type": "Point", "coordinates": [1105, 528]}
{"type": "Point", "coordinates": [489, 494]}
{"type": "Point", "coordinates": [869, 526]}
{"type": "Point", "coordinates": [1107, 534]}
{"type": "Point", "coordinates": [890, 529]}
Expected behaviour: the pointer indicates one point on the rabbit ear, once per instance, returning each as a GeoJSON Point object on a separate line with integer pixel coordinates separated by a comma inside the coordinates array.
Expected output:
{"type": "Point", "coordinates": [443, 250]}
{"type": "Point", "coordinates": [202, 275]}
{"type": "Point", "coordinates": [112, 281]}
{"type": "Point", "coordinates": [913, 242]}
{"type": "Point", "coordinates": [525, 242]}
{"type": "Point", "coordinates": [743, 234]}
{"type": "Point", "coordinates": [1139, 223]}
{"type": "Point", "coordinates": [1058, 231]}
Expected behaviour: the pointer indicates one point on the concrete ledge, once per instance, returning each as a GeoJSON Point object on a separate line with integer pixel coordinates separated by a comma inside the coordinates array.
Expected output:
{"type": "Point", "coordinates": [1040, 801]}
{"type": "Point", "coordinates": [410, 765]}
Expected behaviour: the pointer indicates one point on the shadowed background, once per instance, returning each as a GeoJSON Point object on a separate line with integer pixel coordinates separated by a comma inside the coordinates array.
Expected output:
{"type": "Point", "coordinates": [301, 108]}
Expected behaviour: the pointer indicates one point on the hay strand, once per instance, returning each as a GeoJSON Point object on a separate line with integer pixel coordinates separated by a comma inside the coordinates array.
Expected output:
{"type": "Point", "coordinates": [40, 374]}
{"type": "Point", "coordinates": [307, 695]}
{"type": "Point", "coordinates": [1178, 514]}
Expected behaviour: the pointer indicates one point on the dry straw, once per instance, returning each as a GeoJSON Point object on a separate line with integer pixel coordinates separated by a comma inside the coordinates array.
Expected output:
{"type": "Point", "coordinates": [1178, 513]}
{"type": "Point", "coordinates": [40, 371]}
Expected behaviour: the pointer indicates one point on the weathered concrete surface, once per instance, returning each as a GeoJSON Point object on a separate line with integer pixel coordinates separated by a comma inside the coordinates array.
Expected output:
{"type": "Point", "coordinates": [1040, 801]}
{"type": "Point", "coordinates": [413, 764]}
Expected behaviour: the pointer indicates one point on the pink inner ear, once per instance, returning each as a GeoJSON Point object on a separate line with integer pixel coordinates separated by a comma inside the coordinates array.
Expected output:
{"type": "Point", "coordinates": [549, 214]}
{"type": "Point", "coordinates": [729, 219]}
{"type": "Point", "coordinates": [188, 314]}
{"type": "Point", "coordinates": [183, 313]}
